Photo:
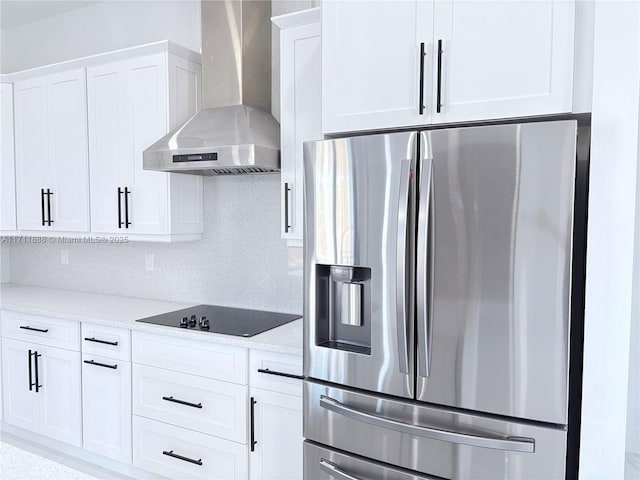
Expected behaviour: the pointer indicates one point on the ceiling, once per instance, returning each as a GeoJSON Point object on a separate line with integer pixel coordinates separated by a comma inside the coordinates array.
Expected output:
{"type": "Point", "coordinates": [14, 13]}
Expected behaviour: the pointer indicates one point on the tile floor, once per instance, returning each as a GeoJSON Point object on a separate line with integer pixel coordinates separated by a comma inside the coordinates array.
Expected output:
{"type": "Point", "coordinates": [23, 460]}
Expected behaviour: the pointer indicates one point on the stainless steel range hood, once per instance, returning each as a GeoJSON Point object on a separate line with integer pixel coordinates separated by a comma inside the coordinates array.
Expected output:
{"type": "Point", "coordinates": [233, 133]}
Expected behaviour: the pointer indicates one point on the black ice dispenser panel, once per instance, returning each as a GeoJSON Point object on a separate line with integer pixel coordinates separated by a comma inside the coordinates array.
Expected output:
{"type": "Point", "coordinates": [344, 308]}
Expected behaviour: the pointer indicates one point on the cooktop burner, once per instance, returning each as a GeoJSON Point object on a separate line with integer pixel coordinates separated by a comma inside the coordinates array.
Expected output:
{"type": "Point", "coordinates": [225, 320]}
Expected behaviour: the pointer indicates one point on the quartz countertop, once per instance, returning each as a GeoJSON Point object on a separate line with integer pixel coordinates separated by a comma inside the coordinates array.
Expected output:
{"type": "Point", "coordinates": [119, 311]}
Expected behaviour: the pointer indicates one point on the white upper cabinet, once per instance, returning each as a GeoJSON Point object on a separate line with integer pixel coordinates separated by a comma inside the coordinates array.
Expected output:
{"type": "Point", "coordinates": [503, 58]}
{"type": "Point", "coordinates": [133, 103]}
{"type": "Point", "coordinates": [482, 60]}
{"type": "Point", "coordinates": [52, 177]}
{"type": "Point", "coordinates": [300, 109]}
{"type": "Point", "coordinates": [371, 64]}
{"type": "Point", "coordinates": [7, 161]}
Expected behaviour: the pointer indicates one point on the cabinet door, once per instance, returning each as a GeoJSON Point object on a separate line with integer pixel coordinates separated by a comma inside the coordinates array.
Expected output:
{"type": "Point", "coordinates": [106, 407]}
{"type": "Point", "coordinates": [301, 117]}
{"type": "Point", "coordinates": [60, 395]}
{"type": "Point", "coordinates": [68, 156]}
{"type": "Point", "coordinates": [277, 454]}
{"type": "Point", "coordinates": [7, 160]}
{"type": "Point", "coordinates": [20, 399]}
{"type": "Point", "coordinates": [147, 121]}
{"type": "Point", "coordinates": [371, 63]}
{"type": "Point", "coordinates": [32, 152]}
{"type": "Point", "coordinates": [503, 59]}
{"type": "Point", "coordinates": [110, 160]}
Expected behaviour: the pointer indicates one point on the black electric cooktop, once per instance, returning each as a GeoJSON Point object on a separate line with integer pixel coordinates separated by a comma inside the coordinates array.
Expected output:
{"type": "Point", "coordinates": [226, 320]}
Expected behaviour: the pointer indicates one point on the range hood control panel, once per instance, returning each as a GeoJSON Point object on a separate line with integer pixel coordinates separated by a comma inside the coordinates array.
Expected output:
{"type": "Point", "coordinates": [196, 157]}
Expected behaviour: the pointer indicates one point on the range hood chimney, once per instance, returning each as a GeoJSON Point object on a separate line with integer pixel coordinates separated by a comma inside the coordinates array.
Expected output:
{"type": "Point", "coordinates": [233, 133]}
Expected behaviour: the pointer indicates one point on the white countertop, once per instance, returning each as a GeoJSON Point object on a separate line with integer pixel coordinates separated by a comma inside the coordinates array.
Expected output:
{"type": "Point", "coordinates": [117, 311]}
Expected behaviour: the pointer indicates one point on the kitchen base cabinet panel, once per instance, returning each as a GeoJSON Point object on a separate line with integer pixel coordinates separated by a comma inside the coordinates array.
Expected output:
{"type": "Point", "coordinates": [42, 390]}
{"type": "Point", "coordinates": [179, 453]}
{"type": "Point", "coordinates": [209, 406]}
{"type": "Point", "coordinates": [277, 454]}
{"type": "Point", "coordinates": [19, 399]}
{"type": "Point", "coordinates": [106, 407]}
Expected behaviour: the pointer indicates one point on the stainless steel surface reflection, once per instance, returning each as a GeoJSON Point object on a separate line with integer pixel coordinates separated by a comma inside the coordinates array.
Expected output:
{"type": "Point", "coordinates": [505, 455]}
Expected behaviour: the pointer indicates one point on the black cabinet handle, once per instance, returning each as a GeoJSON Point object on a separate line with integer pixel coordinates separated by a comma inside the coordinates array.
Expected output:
{"type": "Point", "coordinates": [253, 427]}
{"type": "Point", "coordinates": [439, 87]}
{"type": "Point", "coordinates": [126, 207]}
{"type": "Point", "coordinates": [119, 207]}
{"type": "Point", "coordinates": [280, 374]}
{"type": "Point", "coordinates": [182, 402]}
{"type": "Point", "coordinates": [30, 372]}
{"type": "Point", "coordinates": [180, 457]}
{"type": "Point", "coordinates": [37, 385]}
{"type": "Point", "coordinates": [98, 364]}
{"type": "Point", "coordinates": [106, 342]}
{"type": "Point", "coordinates": [286, 208]}
{"type": "Point", "coordinates": [49, 193]}
{"type": "Point", "coordinates": [42, 205]}
{"type": "Point", "coordinates": [27, 327]}
{"type": "Point", "coordinates": [421, 90]}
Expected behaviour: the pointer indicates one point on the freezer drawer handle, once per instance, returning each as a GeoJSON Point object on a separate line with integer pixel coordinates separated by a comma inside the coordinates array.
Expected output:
{"type": "Point", "coordinates": [334, 471]}
{"type": "Point", "coordinates": [180, 457]}
{"type": "Point", "coordinates": [521, 444]}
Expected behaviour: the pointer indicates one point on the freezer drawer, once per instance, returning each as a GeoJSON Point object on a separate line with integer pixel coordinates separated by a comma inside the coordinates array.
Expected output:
{"type": "Point", "coordinates": [433, 441]}
{"type": "Point", "coordinates": [321, 463]}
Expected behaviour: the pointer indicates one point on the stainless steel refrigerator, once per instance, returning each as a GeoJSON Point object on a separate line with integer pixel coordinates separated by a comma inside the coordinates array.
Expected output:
{"type": "Point", "coordinates": [439, 292]}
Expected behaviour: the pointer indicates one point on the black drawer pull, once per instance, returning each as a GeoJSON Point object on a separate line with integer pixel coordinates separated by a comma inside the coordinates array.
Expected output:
{"type": "Point", "coordinates": [27, 327]}
{"type": "Point", "coordinates": [180, 457]}
{"type": "Point", "coordinates": [115, 344]}
{"type": "Point", "coordinates": [280, 374]}
{"type": "Point", "coordinates": [182, 402]}
{"type": "Point", "coordinates": [98, 364]}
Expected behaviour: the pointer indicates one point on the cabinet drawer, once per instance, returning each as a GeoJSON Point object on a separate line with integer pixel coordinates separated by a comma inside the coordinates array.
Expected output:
{"type": "Point", "coordinates": [110, 342]}
{"type": "Point", "coordinates": [271, 371]}
{"type": "Point", "coordinates": [206, 359]}
{"type": "Point", "coordinates": [201, 404]}
{"type": "Point", "coordinates": [184, 454]}
{"type": "Point", "coordinates": [53, 332]}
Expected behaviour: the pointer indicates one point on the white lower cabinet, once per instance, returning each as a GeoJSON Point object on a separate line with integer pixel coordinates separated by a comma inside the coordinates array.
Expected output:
{"type": "Point", "coordinates": [41, 387]}
{"type": "Point", "coordinates": [277, 416]}
{"type": "Point", "coordinates": [106, 406]}
{"type": "Point", "coordinates": [179, 453]}
{"type": "Point", "coordinates": [277, 453]}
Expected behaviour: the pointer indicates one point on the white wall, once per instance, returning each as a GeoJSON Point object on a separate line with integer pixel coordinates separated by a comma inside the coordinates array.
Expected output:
{"type": "Point", "coordinates": [610, 238]}
{"type": "Point", "coordinates": [5, 257]}
{"type": "Point", "coordinates": [97, 28]}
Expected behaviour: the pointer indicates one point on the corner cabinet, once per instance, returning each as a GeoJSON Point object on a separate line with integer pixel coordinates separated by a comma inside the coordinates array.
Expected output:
{"type": "Point", "coordinates": [7, 162]}
{"type": "Point", "coordinates": [131, 104]}
{"type": "Point", "coordinates": [300, 109]}
{"type": "Point", "coordinates": [418, 62]}
{"type": "Point", "coordinates": [52, 171]}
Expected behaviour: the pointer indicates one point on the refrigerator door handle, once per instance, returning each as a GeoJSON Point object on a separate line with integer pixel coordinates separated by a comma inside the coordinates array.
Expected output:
{"type": "Point", "coordinates": [424, 274]}
{"type": "Point", "coordinates": [511, 444]}
{"type": "Point", "coordinates": [334, 471]}
{"type": "Point", "coordinates": [401, 267]}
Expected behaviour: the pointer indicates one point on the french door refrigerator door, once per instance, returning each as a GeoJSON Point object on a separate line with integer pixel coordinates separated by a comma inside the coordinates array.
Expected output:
{"type": "Point", "coordinates": [436, 441]}
{"type": "Point", "coordinates": [359, 224]}
{"type": "Point", "coordinates": [494, 255]}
